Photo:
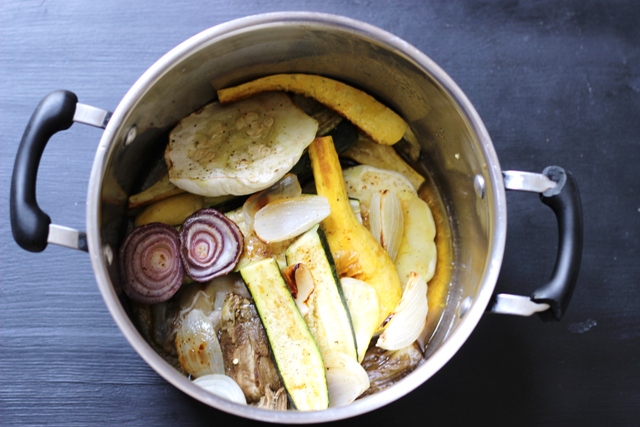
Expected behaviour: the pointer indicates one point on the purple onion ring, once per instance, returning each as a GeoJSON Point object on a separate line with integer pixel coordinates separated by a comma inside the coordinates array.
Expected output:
{"type": "Point", "coordinates": [150, 263]}
{"type": "Point", "coordinates": [210, 245]}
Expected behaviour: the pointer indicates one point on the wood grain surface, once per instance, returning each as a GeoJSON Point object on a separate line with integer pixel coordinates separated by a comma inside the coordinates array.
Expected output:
{"type": "Point", "coordinates": [556, 82]}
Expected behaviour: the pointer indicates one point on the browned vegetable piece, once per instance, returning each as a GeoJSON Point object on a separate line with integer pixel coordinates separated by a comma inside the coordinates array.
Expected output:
{"type": "Point", "coordinates": [162, 189]}
{"type": "Point", "coordinates": [367, 152]}
{"type": "Point", "coordinates": [346, 234]}
{"type": "Point", "coordinates": [171, 211]}
{"type": "Point", "coordinates": [376, 120]}
{"type": "Point", "coordinates": [385, 368]}
{"type": "Point", "coordinates": [245, 349]}
{"type": "Point", "coordinates": [276, 401]}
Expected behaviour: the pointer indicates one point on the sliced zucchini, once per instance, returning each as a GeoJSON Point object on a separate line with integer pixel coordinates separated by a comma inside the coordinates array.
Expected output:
{"type": "Point", "coordinates": [294, 350]}
{"type": "Point", "coordinates": [328, 316]}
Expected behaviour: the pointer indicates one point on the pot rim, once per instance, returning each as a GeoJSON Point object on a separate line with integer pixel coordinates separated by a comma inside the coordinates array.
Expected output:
{"type": "Point", "coordinates": [100, 255]}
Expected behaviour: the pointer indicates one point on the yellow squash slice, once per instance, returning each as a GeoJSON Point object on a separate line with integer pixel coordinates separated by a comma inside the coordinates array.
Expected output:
{"type": "Point", "coordinates": [376, 120]}
{"type": "Point", "coordinates": [345, 234]}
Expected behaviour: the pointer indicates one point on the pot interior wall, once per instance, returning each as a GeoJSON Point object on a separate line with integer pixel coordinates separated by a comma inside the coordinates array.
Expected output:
{"type": "Point", "coordinates": [186, 79]}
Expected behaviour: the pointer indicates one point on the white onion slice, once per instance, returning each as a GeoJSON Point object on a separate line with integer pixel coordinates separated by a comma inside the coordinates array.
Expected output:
{"type": "Point", "coordinates": [346, 378]}
{"type": "Point", "coordinates": [386, 221]}
{"type": "Point", "coordinates": [287, 218]}
{"type": "Point", "coordinates": [287, 187]}
{"type": "Point", "coordinates": [409, 318]}
{"type": "Point", "coordinates": [362, 301]}
{"type": "Point", "coordinates": [222, 386]}
{"type": "Point", "coordinates": [197, 345]}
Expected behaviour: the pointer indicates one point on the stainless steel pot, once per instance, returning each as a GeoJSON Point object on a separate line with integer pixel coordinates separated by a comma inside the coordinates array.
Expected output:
{"type": "Point", "coordinates": [457, 154]}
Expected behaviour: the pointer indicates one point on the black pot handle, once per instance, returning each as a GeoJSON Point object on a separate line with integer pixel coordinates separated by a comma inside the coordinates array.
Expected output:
{"type": "Point", "coordinates": [559, 190]}
{"type": "Point", "coordinates": [564, 200]}
{"type": "Point", "coordinates": [31, 226]}
{"type": "Point", "coordinates": [29, 223]}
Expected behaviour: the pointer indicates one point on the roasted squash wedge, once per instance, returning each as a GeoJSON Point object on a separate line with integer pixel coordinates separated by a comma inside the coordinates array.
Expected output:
{"type": "Point", "coordinates": [346, 235]}
{"type": "Point", "coordinates": [376, 120]}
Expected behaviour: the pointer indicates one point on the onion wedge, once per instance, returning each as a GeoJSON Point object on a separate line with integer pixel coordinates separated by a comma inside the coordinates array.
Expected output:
{"type": "Point", "coordinates": [346, 378]}
{"type": "Point", "coordinates": [386, 221]}
{"type": "Point", "coordinates": [409, 318]}
{"type": "Point", "coordinates": [197, 345]}
{"type": "Point", "coordinates": [287, 187]}
{"type": "Point", "coordinates": [222, 386]}
{"type": "Point", "coordinates": [287, 218]}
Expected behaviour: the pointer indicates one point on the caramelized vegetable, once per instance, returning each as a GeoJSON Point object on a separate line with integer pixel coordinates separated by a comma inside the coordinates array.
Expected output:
{"type": "Point", "coordinates": [171, 211]}
{"type": "Point", "coordinates": [162, 189]}
{"type": "Point", "coordinates": [346, 234]}
{"type": "Point", "coordinates": [367, 152]}
{"type": "Point", "coordinates": [385, 367]}
{"type": "Point", "coordinates": [245, 349]}
{"type": "Point", "coordinates": [417, 251]}
{"type": "Point", "coordinates": [376, 120]}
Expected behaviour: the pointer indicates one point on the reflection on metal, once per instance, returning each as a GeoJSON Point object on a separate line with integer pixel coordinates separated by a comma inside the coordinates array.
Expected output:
{"type": "Point", "coordinates": [527, 181]}
{"type": "Point", "coordinates": [517, 305]}
{"type": "Point", "coordinates": [91, 115]}
{"type": "Point", "coordinates": [67, 237]}
{"type": "Point", "coordinates": [479, 186]}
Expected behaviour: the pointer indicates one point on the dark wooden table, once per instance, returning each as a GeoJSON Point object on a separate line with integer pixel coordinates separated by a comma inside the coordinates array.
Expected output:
{"type": "Point", "coordinates": [556, 82]}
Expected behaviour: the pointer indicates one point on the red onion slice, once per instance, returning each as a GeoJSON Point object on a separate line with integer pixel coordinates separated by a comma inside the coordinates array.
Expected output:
{"type": "Point", "coordinates": [210, 245]}
{"type": "Point", "coordinates": [150, 263]}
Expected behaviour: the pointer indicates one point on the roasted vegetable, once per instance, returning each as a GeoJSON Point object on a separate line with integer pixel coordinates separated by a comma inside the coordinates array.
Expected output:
{"type": "Point", "coordinates": [161, 189]}
{"type": "Point", "coordinates": [328, 317]}
{"type": "Point", "coordinates": [171, 211]}
{"type": "Point", "coordinates": [150, 263]}
{"type": "Point", "coordinates": [346, 234]}
{"type": "Point", "coordinates": [367, 152]}
{"type": "Point", "coordinates": [386, 221]}
{"type": "Point", "coordinates": [294, 350]}
{"type": "Point", "coordinates": [417, 251]}
{"type": "Point", "coordinates": [245, 349]}
{"type": "Point", "coordinates": [409, 318]}
{"type": "Point", "coordinates": [376, 120]}
{"type": "Point", "coordinates": [285, 219]}
{"type": "Point", "coordinates": [385, 367]}
{"type": "Point", "coordinates": [362, 300]}
{"type": "Point", "coordinates": [238, 149]}
{"type": "Point", "coordinates": [346, 379]}
{"type": "Point", "coordinates": [197, 345]}
{"type": "Point", "coordinates": [254, 248]}
{"type": "Point", "coordinates": [222, 386]}
{"type": "Point", "coordinates": [275, 401]}
{"type": "Point", "coordinates": [210, 245]}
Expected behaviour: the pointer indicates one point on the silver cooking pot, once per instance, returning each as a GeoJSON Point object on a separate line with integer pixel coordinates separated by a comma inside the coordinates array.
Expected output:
{"type": "Point", "coordinates": [456, 154]}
